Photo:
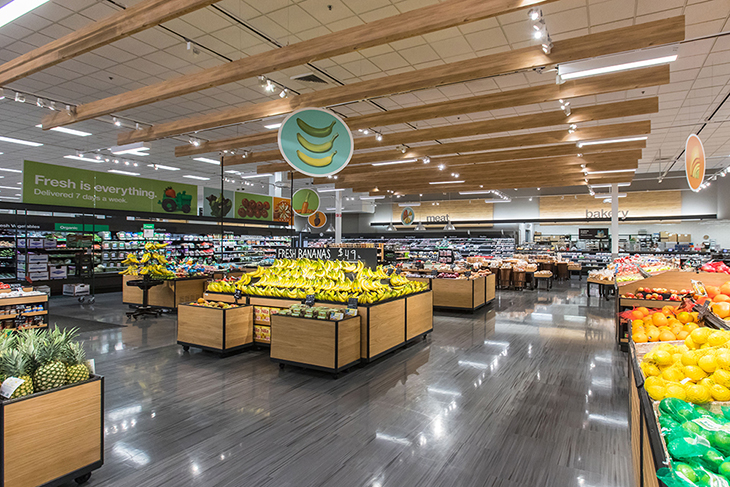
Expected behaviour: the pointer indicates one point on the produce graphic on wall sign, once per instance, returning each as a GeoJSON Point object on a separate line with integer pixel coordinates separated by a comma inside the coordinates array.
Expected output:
{"type": "Point", "coordinates": [694, 154]}
{"type": "Point", "coordinates": [305, 202]}
{"type": "Point", "coordinates": [253, 206]}
{"type": "Point", "coordinates": [282, 210]}
{"type": "Point", "coordinates": [219, 206]}
{"type": "Point", "coordinates": [317, 219]}
{"type": "Point", "coordinates": [315, 142]}
{"type": "Point", "coordinates": [407, 216]}
{"type": "Point", "coordinates": [173, 201]}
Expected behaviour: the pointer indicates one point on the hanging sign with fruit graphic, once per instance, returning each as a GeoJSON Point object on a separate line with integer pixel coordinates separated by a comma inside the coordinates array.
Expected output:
{"type": "Point", "coordinates": [317, 219]}
{"type": "Point", "coordinates": [305, 202]}
{"type": "Point", "coordinates": [217, 204]}
{"type": "Point", "coordinates": [254, 206]}
{"type": "Point", "coordinates": [407, 216]}
{"type": "Point", "coordinates": [694, 164]}
{"type": "Point", "coordinates": [315, 142]}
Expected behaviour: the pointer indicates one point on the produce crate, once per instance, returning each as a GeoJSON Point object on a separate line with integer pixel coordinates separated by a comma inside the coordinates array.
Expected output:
{"type": "Point", "coordinates": [224, 331]}
{"type": "Point", "coordinates": [54, 437]}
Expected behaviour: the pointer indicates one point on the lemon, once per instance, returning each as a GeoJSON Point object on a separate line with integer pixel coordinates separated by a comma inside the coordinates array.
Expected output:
{"type": "Point", "coordinates": [694, 372]}
{"type": "Point", "coordinates": [677, 357]}
{"type": "Point", "coordinates": [701, 335]}
{"type": "Point", "coordinates": [650, 369]}
{"type": "Point", "coordinates": [720, 393]}
{"type": "Point", "coordinates": [682, 348]}
{"type": "Point", "coordinates": [689, 358]}
{"type": "Point", "coordinates": [717, 338]}
{"type": "Point", "coordinates": [707, 382]}
{"type": "Point", "coordinates": [690, 344]}
{"type": "Point", "coordinates": [723, 358]}
{"type": "Point", "coordinates": [656, 392]}
{"type": "Point", "coordinates": [649, 357]}
{"type": "Point", "coordinates": [676, 391]}
{"type": "Point", "coordinates": [722, 377]}
{"type": "Point", "coordinates": [697, 394]}
{"type": "Point", "coordinates": [662, 357]}
{"type": "Point", "coordinates": [707, 363]}
{"type": "Point", "coordinates": [673, 374]}
{"type": "Point", "coordinates": [653, 381]}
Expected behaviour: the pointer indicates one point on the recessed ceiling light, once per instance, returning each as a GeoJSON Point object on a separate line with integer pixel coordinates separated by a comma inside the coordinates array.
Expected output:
{"type": "Point", "coordinates": [205, 159]}
{"type": "Point", "coordinates": [82, 158]}
{"type": "Point", "coordinates": [446, 182]}
{"type": "Point", "coordinates": [608, 185]}
{"type": "Point", "coordinates": [330, 190]}
{"type": "Point", "coordinates": [619, 67]}
{"type": "Point", "coordinates": [127, 173]}
{"type": "Point", "coordinates": [273, 126]}
{"type": "Point", "coordinates": [403, 161]}
{"type": "Point", "coordinates": [590, 173]}
{"type": "Point", "coordinates": [68, 131]}
{"type": "Point", "coordinates": [250, 176]}
{"type": "Point", "coordinates": [160, 166]}
{"type": "Point", "coordinates": [18, 141]}
{"type": "Point", "coordinates": [484, 191]}
{"type": "Point", "coordinates": [196, 177]}
{"type": "Point", "coordinates": [9, 187]}
{"type": "Point", "coordinates": [10, 170]}
{"type": "Point", "coordinates": [17, 8]}
{"type": "Point", "coordinates": [610, 141]}
{"type": "Point", "coordinates": [372, 197]}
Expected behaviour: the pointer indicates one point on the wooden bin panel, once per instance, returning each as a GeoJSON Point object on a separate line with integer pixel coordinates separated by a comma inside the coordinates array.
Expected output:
{"type": "Point", "coordinates": [452, 293]}
{"type": "Point", "coordinates": [24, 300]}
{"type": "Point", "coordinates": [53, 434]}
{"type": "Point", "coordinates": [635, 427]}
{"type": "Point", "coordinates": [162, 296]}
{"type": "Point", "coordinates": [387, 326]}
{"type": "Point", "coordinates": [649, 469]}
{"type": "Point", "coordinates": [303, 340]}
{"type": "Point", "coordinates": [131, 294]}
{"type": "Point", "coordinates": [480, 292]}
{"type": "Point", "coordinates": [223, 298]}
{"type": "Point", "coordinates": [200, 325]}
{"type": "Point", "coordinates": [349, 345]}
{"type": "Point", "coordinates": [420, 314]}
{"type": "Point", "coordinates": [490, 287]}
{"type": "Point", "coordinates": [188, 290]}
{"type": "Point", "coordinates": [272, 302]}
{"type": "Point", "coordinates": [239, 326]}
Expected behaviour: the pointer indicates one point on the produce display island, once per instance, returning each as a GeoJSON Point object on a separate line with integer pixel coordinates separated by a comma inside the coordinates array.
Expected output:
{"type": "Point", "coordinates": [460, 294]}
{"type": "Point", "coordinates": [221, 330]}
{"type": "Point", "coordinates": [170, 294]}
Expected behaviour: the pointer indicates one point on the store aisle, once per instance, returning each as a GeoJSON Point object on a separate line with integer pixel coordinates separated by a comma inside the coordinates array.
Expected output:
{"type": "Point", "coordinates": [529, 392]}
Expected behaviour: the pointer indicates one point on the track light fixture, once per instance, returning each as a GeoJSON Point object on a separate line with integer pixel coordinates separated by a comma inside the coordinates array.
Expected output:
{"type": "Point", "coordinates": [20, 98]}
{"type": "Point", "coordinates": [565, 107]}
{"type": "Point", "coordinates": [535, 14]}
{"type": "Point", "coordinates": [378, 137]}
{"type": "Point", "coordinates": [284, 93]}
{"type": "Point", "coordinates": [547, 45]}
{"type": "Point", "coordinates": [117, 122]}
{"type": "Point", "coordinates": [426, 160]}
{"type": "Point", "coordinates": [572, 128]}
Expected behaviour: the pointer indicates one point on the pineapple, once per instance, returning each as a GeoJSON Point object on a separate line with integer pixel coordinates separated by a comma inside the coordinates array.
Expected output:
{"type": "Point", "coordinates": [76, 369]}
{"type": "Point", "coordinates": [7, 343]}
{"type": "Point", "coordinates": [51, 371]}
{"type": "Point", "coordinates": [15, 364]}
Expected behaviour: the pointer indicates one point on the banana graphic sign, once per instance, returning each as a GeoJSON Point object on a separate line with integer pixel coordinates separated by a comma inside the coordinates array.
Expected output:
{"type": "Point", "coordinates": [315, 142]}
{"type": "Point", "coordinates": [694, 162]}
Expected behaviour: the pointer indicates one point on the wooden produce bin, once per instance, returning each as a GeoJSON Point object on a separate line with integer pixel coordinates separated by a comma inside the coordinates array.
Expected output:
{"type": "Point", "coordinates": [326, 345]}
{"type": "Point", "coordinates": [168, 295]}
{"type": "Point", "coordinates": [54, 437]}
{"type": "Point", "coordinates": [224, 331]}
{"type": "Point", "coordinates": [463, 294]}
{"type": "Point", "coordinates": [490, 288]}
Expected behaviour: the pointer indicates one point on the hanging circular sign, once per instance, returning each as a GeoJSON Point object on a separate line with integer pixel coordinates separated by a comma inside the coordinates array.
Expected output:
{"type": "Point", "coordinates": [305, 202]}
{"type": "Point", "coordinates": [315, 142]}
{"type": "Point", "coordinates": [407, 216]}
{"type": "Point", "coordinates": [694, 162]}
{"type": "Point", "coordinates": [317, 219]}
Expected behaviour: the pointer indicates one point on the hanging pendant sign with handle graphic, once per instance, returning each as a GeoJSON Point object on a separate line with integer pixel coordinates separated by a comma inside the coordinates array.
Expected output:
{"type": "Point", "coordinates": [315, 142]}
{"type": "Point", "coordinates": [694, 163]}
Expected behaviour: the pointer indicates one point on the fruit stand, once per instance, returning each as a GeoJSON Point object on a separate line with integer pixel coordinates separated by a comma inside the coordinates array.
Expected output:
{"type": "Point", "coordinates": [170, 294]}
{"type": "Point", "coordinates": [215, 326]}
{"type": "Point", "coordinates": [460, 294]}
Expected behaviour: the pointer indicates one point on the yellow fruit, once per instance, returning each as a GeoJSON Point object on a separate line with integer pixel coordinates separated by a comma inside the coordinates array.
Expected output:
{"type": "Point", "coordinates": [723, 358]}
{"type": "Point", "coordinates": [707, 363]}
{"type": "Point", "coordinates": [689, 358]}
{"type": "Point", "coordinates": [689, 343]}
{"type": "Point", "coordinates": [698, 394]}
{"type": "Point", "coordinates": [662, 357]}
{"type": "Point", "coordinates": [656, 392]}
{"type": "Point", "coordinates": [717, 338]}
{"type": "Point", "coordinates": [673, 374]}
{"type": "Point", "coordinates": [720, 393]}
{"type": "Point", "coordinates": [707, 382]}
{"type": "Point", "coordinates": [701, 335]}
{"type": "Point", "coordinates": [650, 369]}
{"type": "Point", "coordinates": [722, 377]}
{"type": "Point", "coordinates": [677, 357]}
{"type": "Point", "coordinates": [653, 381]}
{"type": "Point", "coordinates": [676, 391]}
{"type": "Point", "coordinates": [694, 373]}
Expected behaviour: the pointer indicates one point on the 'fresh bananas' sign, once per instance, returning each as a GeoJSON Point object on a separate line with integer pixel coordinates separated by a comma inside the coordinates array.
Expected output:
{"type": "Point", "coordinates": [315, 142]}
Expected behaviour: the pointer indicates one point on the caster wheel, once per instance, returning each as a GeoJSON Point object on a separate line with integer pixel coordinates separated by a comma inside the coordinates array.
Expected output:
{"type": "Point", "coordinates": [81, 300]}
{"type": "Point", "coordinates": [92, 300]}
{"type": "Point", "coordinates": [83, 479]}
{"type": "Point", "coordinates": [335, 376]}
{"type": "Point", "coordinates": [425, 337]}
{"type": "Point", "coordinates": [186, 348]}
{"type": "Point", "coordinates": [281, 366]}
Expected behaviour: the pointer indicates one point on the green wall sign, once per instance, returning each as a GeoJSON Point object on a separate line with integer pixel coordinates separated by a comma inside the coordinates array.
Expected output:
{"type": "Point", "coordinates": [315, 142]}
{"type": "Point", "coordinates": [49, 184]}
{"type": "Point", "coordinates": [76, 227]}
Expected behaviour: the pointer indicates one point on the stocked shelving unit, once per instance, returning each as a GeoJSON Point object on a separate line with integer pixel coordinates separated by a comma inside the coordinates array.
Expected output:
{"type": "Point", "coordinates": [8, 257]}
{"type": "Point", "coordinates": [23, 312]}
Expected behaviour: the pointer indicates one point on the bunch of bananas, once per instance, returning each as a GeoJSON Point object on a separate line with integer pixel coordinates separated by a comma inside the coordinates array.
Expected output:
{"type": "Point", "coordinates": [222, 287]}
{"type": "Point", "coordinates": [131, 259]}
{"type": "Point", "coordinates": [157, 270]}
{"type": "Point", "coordinates": [132, 270]}
{"type": "Point", "coordinates": [155, 246]}
{"type": "Point", "coordinates": [151, 263]}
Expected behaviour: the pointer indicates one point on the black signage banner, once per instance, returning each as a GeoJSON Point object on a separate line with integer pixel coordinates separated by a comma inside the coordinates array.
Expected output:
{"type": "Point", "coordinates": [592, 233]}
{"type": "Point", "coordinates": [367, 256]}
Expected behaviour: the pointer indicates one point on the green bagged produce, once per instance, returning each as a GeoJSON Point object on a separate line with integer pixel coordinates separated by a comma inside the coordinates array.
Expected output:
{"type": "Point", "coordinates": [678, 410]}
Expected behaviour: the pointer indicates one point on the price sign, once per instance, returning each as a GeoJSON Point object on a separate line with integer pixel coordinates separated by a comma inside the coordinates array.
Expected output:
{"type": "Point", "coordinates": [9, 386]}
{"type": "Point", "coordinates": [467, 274]}
{"type": "Point", "coordinates": [434, 273]}
{"type": "Point", "coordinates": [390, 271]}
{"type": "Point", "coordinates": [238, 294]}
{"type": "Point", "coordinates": [398, 272]}
{"type": "Point", "coordinates": [368, 256]}
{"type": "Point", "coordinates": [352, 303]}
{"type": "Point", "coordinates": [309, 301]}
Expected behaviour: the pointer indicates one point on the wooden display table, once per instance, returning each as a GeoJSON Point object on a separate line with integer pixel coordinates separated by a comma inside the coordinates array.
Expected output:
{"type": "Point", "coordinates": [329, 346]}
{"type": "Point", "coordinates": [224, 331]}
{"type": "Point", "coordinates": [54, 437]}
{"type": "Point", "coordinates": [169, 295]}
{"type": "Point", "coordinates": [463, 294]}
{"type": "Point", "coordinates": [605, 288]}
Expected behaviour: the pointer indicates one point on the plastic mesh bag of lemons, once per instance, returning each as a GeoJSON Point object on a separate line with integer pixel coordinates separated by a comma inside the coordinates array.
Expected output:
{"type": "Point", "coordinates": [697, 371]}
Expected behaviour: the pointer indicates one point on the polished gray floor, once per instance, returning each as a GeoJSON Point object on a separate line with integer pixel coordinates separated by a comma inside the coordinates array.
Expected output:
{"type": "Point", "coordinates": [529, 392]}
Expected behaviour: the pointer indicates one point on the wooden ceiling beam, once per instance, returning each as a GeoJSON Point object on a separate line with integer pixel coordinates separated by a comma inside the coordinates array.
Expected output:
{"type": "Point", "coordinates": [416, 22]}
{"type": "Point", "coordinates": [609, 42]}
{"type": "Point", "coordinates": [535, 139]}
{"type": "Point", "coordinates": [136, 18]}
{"type": "Point", "coordinates": [595, 85]}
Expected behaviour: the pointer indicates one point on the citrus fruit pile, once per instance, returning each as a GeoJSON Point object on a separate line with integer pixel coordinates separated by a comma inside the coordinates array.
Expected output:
{"type": "Point", "coordinates": [697, 372]}
{"type": "Point", "coordinates": [664, 325]}
{"type": "Point", "coordinates": [719, 297]}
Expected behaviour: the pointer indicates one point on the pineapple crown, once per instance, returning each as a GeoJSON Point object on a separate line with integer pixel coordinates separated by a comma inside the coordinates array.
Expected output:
{"type": "Point", "coordinates": [14, 363]}
{"type": "Point", "coordinates": [75, 354]}
{"type": "Point", "coordinates": [54, 347]}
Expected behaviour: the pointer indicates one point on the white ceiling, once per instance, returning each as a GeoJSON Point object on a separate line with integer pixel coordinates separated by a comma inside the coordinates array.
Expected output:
{"type": "Point", "coordinates": [234, 29]}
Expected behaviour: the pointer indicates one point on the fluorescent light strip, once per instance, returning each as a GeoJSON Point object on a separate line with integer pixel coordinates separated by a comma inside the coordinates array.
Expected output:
{"type": "Point", "coordinates": [201, 178]}
{"type": "Point", "coordinates": [126, 173]}
{"type": "Point", "coordinates": [372, 197]}
{"type": "Point", "coordinates": [18, 8]}
{"type": "Point", "coordinates": [10, 170]}
{"type": "Point", "coordinates": [8, 197]}
{"type": "Point", "coordinates": [608, 185]}
{"type": "Point", "coordinates": [18, 141]}
{"type": "Point", "coordinates": [68, 131]}
{"type": "Point", "coordinates": [9, 187]}
{"type": "Point", "coordinates": [404, 161]}
{"type": "Point", "coordinates": [272, 126]}
{"type": "Point", "coordinates": [160, 166]}
{"type": "Point", "coordinates": [481, 191]}
{"type": "Point", "coordinates": [619, 67]}
{"type": "Point", "coordinates": [251, 176]}
{"type": "Point", "coordinates": [591, 173]}
{"type": "Point", "coordinates": [404, 205]}
{"type": "Point", "coordinates": [446, 182]}
{"type": "Point", "coordinates": [330, 190]}
{"type": "Point", "coordinates": [610, 141]}
{"type": "Point", "coordinates": [85, 159]}
{"type": "Point", "coordinates": [608, 195]}
{"type": "Point", "coordinates": [205, 159]}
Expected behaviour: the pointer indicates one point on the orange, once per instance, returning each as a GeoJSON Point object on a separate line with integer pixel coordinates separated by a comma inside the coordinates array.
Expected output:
{"type": "Point", "coordinates": [721, 309]}
{"type": "Point", "coordinates": [653, 334]}
{"type": "Point", "coordinates": [637, 323]}
{"type": "Point", "coordinates": [690, 327]}
{"type": "Point", "coordinates": [659, 319]}
{"type": "Point", "coordinates": [725, 288]}
{"type": "Point", "coordinates": [712, 291]}
{"type": "Point", "coordinates": [668, 310]}
{"type": "Point", "coordinates": [643, 310]}
{"type": "Point", "coordinates": [682, 335]}
{"type": "Point", "coordinates": [636, 315]}
{"type": "Point", "coordinates": [676, 329]}
{"type": "Point", "coordinates": [667, 336]}
{"type": "Point", "coordinates": [721, 298]}
{"type": "Point", "coordinates": [640, 337]}
{"type": "Point", "coordinates": [695, 316]}
{"type": "Point", "coordinates": [701, 299]}
{"type": "Point", "coordinates": [684, 317]}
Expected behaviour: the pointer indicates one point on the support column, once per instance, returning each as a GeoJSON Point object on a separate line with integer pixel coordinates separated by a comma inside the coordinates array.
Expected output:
{"type": "Point", "coordinates": [279, 177]}
{"type": "Point", "coordinates": [614, 220]}
{"type": "Point", "coordinates": [338, 217]}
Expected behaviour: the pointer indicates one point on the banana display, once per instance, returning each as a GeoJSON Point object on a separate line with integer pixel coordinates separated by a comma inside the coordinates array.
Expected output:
{"type": "Point", "coordinates": [335, 281]}
{"type": "Point", "coordinates": [151, 263]}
